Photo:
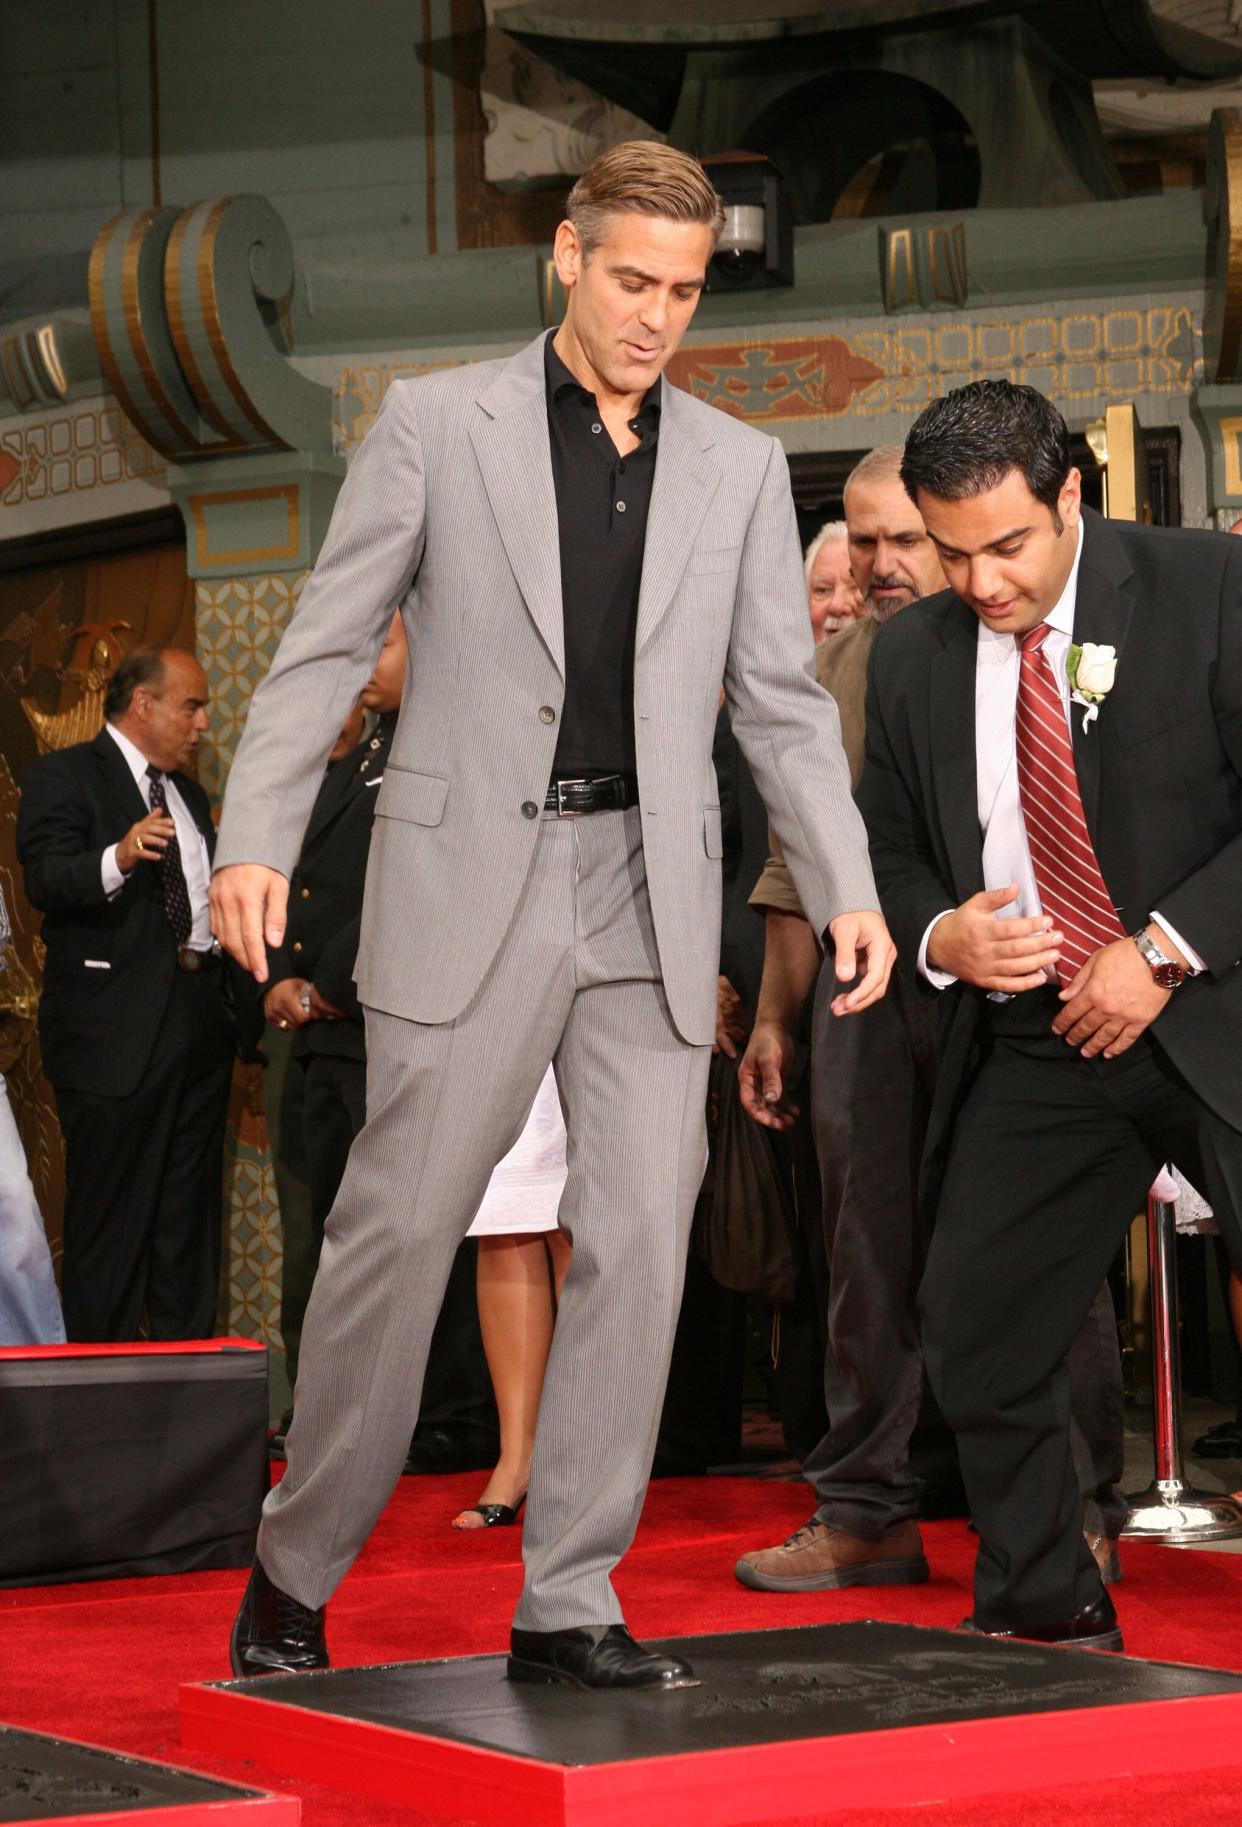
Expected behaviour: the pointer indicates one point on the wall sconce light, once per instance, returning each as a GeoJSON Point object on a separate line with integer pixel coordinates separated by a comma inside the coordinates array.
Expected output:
{"type": "Point", "coordinates": [756, 246]}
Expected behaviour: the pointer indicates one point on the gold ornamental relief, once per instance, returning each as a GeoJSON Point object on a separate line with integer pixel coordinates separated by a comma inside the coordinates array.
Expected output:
{"type": "Point", "coordinates": [94, 656]}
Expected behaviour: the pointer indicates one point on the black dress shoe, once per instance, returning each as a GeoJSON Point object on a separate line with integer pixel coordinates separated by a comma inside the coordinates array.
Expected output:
{"type": "Point", "coordinates": [1094, 1627]}
{"type": "Point", "coordinates": [1224, 1441]}
{"type": "Point", "coordinates": [597, 1655]}
{"type": "Point", "coordinates": [275, 1635]}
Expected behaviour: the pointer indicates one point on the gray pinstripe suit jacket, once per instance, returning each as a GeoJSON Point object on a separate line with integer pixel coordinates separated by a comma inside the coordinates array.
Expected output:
{"type": "Point", "coordinates": [449, 509]}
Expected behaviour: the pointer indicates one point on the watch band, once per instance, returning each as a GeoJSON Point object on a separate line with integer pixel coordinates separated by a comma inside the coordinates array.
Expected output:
{"type": "Point", "coordinates": [1165, 971]}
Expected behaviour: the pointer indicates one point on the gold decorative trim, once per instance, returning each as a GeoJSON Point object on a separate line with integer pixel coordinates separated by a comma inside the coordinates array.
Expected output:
{"type": "Point", "coordinates": [135, 329]}
{"type": "Point", "coordinates": [203, 555]}
{"type": "Point", "coordinates": [902, 290]}
{"type": "Point", "coordinates": [215, 331]}
{"type": "Point", "coordinates": [1230, 431]}
{"type": "Point", "coordinates": [49, 354]}
{"type": "Point", "coordinates": [103, 340]}
{"type": "Point", "coordinates": [181, 336]}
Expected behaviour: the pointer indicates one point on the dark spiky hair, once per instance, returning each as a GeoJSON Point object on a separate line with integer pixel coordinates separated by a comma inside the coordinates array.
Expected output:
{"type": "Point", "coordinates": [968, 441]}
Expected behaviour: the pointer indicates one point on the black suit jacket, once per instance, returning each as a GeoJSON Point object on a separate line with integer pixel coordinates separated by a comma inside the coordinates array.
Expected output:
{"type": "Point", "coordinates": [98, 1021]}
{"type": "Point", "coordinates": [744, 831]}
{"type": "Point", "coordinates": [325, 895]}
{"type": "Point", "coordinates": [1160, 771]}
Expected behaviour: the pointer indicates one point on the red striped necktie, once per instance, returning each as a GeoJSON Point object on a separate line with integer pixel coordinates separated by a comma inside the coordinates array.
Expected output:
{"type": "Point", "coordinates": [1067, 873]}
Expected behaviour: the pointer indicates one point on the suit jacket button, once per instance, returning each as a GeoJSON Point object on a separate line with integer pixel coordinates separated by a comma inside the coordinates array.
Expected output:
{"type": "Point", "coordinates": [297, 945]}
{"type": "Point", "coordinates": [529, 809]}
{"type": "Point", "coordinates": [547, 714]}
{"type": "Point", "coordinates": [306, 894]}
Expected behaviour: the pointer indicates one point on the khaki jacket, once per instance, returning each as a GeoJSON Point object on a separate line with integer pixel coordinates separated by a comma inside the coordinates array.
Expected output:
{"type": "Point", "coordinates": [841, 668]}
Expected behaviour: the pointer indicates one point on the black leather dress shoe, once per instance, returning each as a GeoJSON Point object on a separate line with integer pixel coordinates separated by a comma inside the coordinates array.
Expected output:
{"type": "Point", "coordinates": [1224, 1441]}
{"type": "Point", "coordinates": [1094, 1627]}
{"type": "Point", "coordinates": [273, 1634]}
{"type": "Point", "coordinates": [597, 1655]}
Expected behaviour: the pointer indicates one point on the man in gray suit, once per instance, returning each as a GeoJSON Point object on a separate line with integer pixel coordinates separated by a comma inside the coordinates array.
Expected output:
{"type": "Point", "coordinates": [582, 553]}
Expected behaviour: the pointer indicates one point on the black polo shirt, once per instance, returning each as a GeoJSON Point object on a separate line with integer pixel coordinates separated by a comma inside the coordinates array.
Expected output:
{"type": "Point", "coordinates": [601, 511]}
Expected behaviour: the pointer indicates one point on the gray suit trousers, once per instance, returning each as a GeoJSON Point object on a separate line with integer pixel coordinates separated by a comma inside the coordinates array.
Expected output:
{"type": "Point", "coordinates": [577, 982]}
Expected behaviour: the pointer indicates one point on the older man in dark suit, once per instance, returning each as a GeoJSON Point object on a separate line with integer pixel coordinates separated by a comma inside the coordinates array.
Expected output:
{"type": "Point", "coordinates": [137, 1033]}
{"type": "Point", "coordinates": [1053, 791]}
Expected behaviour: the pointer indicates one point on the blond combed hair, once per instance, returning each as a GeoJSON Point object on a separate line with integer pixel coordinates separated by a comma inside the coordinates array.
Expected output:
{"type": "Point", "coordinates": [646, 178]}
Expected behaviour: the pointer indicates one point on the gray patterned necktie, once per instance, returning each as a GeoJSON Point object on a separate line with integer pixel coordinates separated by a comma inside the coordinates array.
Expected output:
{"type": "Point", "coordinates": [172, 875]}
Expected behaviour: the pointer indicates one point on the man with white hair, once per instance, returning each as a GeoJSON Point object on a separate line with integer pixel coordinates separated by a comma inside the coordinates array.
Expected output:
{"type": "Point", "coordinates": [833, 597]}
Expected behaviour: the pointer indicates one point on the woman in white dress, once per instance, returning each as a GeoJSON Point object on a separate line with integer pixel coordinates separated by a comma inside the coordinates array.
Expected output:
{"type": "Point", "coordinates": [522, 1261]}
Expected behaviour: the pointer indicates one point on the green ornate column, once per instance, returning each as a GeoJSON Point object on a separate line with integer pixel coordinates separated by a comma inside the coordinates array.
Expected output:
{"type": "Point", "coordinates": [194, 313]}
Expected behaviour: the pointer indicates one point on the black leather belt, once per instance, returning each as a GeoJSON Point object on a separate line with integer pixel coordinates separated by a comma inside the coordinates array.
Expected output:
{"type": "Point", "coordinates": [575, 798]}
{"type": "Point", "coordinates": [193, 961]}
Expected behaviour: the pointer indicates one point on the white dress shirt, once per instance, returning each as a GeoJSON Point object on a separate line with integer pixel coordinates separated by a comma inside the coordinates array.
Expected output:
{"type": "Point", "coordinates": [195, 864]}
{"type": "Point", "coordinates": [1006, 852]}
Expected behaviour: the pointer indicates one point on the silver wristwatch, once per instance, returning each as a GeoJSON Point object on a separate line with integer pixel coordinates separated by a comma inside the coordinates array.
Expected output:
{"type": "Point", "coordinates": [1164, 970]}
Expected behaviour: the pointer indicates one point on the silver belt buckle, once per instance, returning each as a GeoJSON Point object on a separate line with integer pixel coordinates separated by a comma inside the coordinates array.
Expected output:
{"type": "Point", "coordinates": [561, 811]}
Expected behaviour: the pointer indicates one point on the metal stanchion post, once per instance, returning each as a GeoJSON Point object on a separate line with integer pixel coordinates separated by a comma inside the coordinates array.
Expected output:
{"type": "Point", "coordinates": [1170, 1510]}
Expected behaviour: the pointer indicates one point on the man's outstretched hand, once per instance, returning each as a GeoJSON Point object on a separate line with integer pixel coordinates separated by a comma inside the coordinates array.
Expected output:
{"type": "Point", "coordinates": [861, 944]}
{"type": "Point", "coordinates": [249, 903]}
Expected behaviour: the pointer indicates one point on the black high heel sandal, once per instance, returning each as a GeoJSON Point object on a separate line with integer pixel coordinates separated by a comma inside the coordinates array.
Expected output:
{"type": "Point", "coordinates": [495, 1515]}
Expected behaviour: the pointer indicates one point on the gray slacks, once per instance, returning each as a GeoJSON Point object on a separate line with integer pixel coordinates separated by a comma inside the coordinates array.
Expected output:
{"type": "Point", "coordinates": [873, 1076]}
{"type": "Point", "coordinates": [577, 982]}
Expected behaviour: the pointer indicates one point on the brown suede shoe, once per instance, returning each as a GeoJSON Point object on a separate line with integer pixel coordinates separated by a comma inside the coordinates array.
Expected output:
{"type": "Point", "coordinates": [1107, 1558]}
{"type": "Point", "coordinates": [819, 1556]}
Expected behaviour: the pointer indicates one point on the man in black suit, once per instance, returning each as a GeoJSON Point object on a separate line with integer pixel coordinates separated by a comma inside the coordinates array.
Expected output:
{"type": "Point", "coordinates": [138, 1038]}
{"type": "Point", "coordinates": [1053, 790]}
{"type": "Point", "coordinates": [311, 990]}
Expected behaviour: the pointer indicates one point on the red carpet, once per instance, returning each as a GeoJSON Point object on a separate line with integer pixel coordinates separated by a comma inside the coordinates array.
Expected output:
{"type": "Point", "coordinates": [103, 1662]}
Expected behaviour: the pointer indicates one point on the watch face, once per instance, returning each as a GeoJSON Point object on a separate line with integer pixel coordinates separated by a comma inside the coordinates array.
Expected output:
{"type": "Point", "coordinates": [1168, 976]}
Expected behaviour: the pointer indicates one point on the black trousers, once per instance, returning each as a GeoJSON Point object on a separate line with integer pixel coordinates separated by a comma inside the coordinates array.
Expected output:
{"type": "Point", "coordinates": [144, 1181]}
{"type": "Point", "coordinates": [284, 1087]}
{"type": "Point", "coordinates": [1051, 1158]}
{"type": "Point", "coordinates": [873, 1077]}
{"type": "Point", "coordinates": [456, 1390]}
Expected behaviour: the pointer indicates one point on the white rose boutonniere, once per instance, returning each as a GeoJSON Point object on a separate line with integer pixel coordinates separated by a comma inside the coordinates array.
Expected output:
{"type": "Point", "coordinates": [1092, 671]}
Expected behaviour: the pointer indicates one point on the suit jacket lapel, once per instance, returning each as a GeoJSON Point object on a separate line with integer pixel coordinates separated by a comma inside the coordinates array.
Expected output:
{"type": "Point", "coordinates": [1102, 613]}
{"type": "Point", "coordinates": [336, 790]}
{"type": "Point", "coordinates": [118, 778]}
{"type": "Point", "coordinates": [684, 482]}
{"type": "Point", "coordinates": [951, 740]}
{"type": "Point", "coordinates": [510, 441]}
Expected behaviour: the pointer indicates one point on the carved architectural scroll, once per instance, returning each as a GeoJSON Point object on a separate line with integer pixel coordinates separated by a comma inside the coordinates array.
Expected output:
{"type": "Point", "coordinates": [192, 313]}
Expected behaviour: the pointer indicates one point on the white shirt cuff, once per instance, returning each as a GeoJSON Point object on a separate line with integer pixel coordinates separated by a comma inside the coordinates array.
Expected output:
{"type": "Point", "coordinates": [112, 877]}
{"type": "Point", "coordinates": [1188, 952]}
{"type": "Point", "coordinates": [939, 980]}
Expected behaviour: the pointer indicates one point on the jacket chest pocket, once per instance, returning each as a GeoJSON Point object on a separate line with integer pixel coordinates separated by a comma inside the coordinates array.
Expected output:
{"type": "Point", "coordinates": [714, 558]}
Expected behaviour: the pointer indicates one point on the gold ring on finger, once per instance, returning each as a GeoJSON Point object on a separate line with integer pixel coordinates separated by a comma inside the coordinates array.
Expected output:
{"type": "Point", "coordinates": [140, 843]}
